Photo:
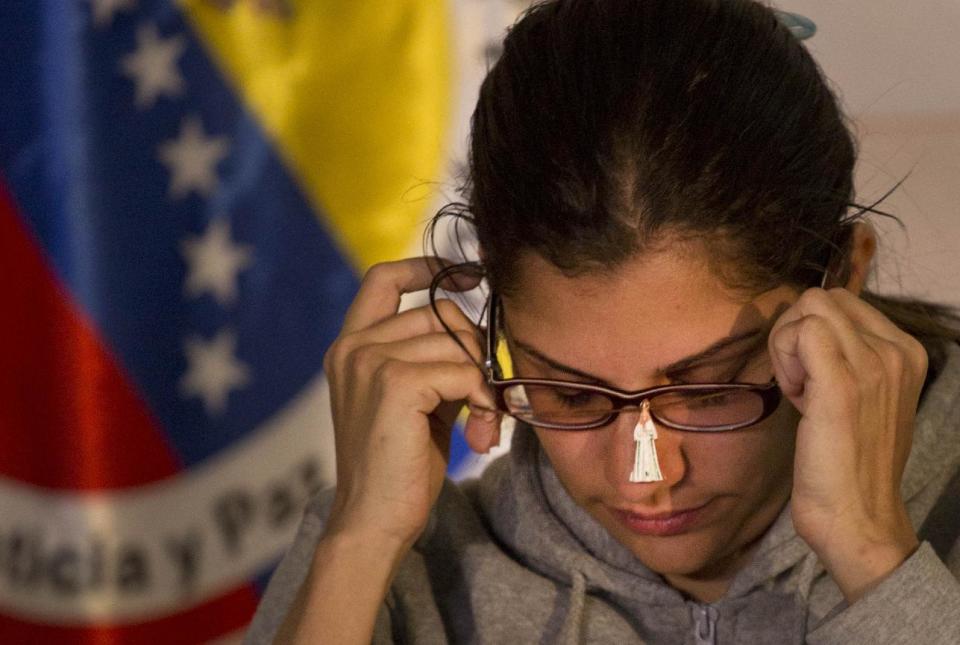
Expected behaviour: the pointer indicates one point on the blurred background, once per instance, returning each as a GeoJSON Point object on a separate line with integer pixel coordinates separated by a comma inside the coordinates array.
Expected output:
{"type": "Point", "coordinates": [189, 193]}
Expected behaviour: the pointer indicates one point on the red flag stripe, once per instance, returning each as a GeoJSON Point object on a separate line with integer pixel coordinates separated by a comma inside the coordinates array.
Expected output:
{"type": "Point", "coordinates": [200, 624]}
{"type": "Point", "coordinates": [69, 417]}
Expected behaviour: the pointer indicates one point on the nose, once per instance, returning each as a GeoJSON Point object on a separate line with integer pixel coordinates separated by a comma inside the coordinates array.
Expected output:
{"type": "Point", "coordinates": [621, 452]}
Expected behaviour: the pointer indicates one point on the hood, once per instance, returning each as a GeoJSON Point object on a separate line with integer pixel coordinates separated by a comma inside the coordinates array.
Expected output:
{"type": "Point", "coordinates": [533, 517]}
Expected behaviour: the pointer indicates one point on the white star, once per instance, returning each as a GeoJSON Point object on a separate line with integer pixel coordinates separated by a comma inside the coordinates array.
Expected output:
{"type": "Point", "coordinates": [153, 66]}
{"type": "Point", "coordinates": [103, 10]}
{"type": "Point", "coordinates": [213, 371]}
{"type": "Point", "coordinates": [192, 159]}
{"type": "Point", "coordinates": [214, 262]}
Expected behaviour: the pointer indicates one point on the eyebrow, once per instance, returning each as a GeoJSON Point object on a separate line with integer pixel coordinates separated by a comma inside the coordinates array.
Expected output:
{"type": "Point", "coordinates": [676, 367]}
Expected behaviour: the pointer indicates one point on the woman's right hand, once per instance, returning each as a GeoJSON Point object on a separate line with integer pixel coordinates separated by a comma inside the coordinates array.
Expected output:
{"type": "Point", "coordinates": [397, 382]}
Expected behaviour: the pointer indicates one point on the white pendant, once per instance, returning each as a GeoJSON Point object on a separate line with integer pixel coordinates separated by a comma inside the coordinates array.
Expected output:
{"type": "Point", "coordinates": [646, 466]}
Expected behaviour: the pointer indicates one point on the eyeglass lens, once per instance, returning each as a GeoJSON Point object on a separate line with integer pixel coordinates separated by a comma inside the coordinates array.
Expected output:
{"type": "Point", "coordinates": [572, 406]}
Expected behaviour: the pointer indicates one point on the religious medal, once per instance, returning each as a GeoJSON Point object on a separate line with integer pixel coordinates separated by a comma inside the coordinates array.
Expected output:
{"type": "Point", "coordinates": [646, 466]}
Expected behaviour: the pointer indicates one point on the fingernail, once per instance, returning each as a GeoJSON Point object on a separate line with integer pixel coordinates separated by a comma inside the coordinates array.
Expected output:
{"type": "Point", "coordinates": [483, 412]}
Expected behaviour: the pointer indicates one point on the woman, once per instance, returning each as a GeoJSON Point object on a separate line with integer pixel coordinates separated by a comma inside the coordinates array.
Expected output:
{"type": "Point", "coordinates": [661, 191]}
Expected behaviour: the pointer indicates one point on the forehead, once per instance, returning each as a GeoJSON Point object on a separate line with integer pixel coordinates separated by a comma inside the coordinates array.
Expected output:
{"type": "Point", "coordinates": [625, 323]}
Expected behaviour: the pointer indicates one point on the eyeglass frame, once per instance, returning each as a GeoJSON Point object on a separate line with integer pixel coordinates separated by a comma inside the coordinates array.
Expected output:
{"type": "Point", "coordinates": [769, 392]}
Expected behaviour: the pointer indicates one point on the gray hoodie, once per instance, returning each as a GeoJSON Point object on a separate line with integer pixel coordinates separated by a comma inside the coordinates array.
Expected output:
{"type": "Point", "coordinates": [510, 558]}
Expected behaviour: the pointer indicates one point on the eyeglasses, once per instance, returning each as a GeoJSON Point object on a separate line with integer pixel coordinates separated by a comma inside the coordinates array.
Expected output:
{"type": "Point", "coordinates": [568, 405]}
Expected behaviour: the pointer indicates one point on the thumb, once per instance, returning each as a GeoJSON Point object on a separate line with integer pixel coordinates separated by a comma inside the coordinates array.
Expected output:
{"type": "Point", "coordinates": [482, 429]}
{"type": "Point", "coordinates": [785, 356]}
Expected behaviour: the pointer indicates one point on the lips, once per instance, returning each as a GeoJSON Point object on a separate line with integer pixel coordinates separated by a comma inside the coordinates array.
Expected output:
{"type": "Point", "coordinates": [662, 523]}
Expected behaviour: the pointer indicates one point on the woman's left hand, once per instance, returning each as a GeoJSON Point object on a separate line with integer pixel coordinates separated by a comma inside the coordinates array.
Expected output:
{"type": "Point", "coordinates": [855, 379]}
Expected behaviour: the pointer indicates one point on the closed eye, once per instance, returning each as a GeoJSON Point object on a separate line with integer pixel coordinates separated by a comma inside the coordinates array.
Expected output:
{"type": "Point", "coordinates": [575, 399]}
{"type": "Point", "coordinates": [735, 368]}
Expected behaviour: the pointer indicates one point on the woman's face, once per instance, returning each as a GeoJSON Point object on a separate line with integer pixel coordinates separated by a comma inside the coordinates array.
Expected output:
{"type": "Point", "coordinates": [622, 328]}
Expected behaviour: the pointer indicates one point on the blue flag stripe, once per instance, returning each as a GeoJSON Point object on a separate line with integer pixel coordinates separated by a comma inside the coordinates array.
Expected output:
{"type": "Point", "coordinates": [84, 164]}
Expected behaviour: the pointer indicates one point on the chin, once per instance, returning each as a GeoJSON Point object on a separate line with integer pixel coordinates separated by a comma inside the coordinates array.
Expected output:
{"type": "Point", "coordinates": [685, 554]}
{"type": "Point", "coordinates": [679, 555]}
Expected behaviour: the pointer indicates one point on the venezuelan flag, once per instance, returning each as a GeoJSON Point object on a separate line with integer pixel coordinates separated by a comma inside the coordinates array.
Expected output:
{"type": "Point", "coordinates": [189, 192]}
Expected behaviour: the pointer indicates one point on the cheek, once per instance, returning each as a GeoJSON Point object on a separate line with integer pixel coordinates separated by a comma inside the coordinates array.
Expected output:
{"type": "Point", "coordinates": [577, 457]}
{"type": "Point", "coordinates": [752, 461]}
{"type": "Point", "coordinates": [734, 464]}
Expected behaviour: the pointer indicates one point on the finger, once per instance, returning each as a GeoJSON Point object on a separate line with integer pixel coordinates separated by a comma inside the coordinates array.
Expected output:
{"type": "Point", "coordinates": [438, 346]}
{"type": "Point", "coordinates": [873, 321]}
{"type": "Point", "coordinates": [901, 404]}
{"type": "Point", "coordinates": [424, 386]}
{"type": "Point", "coordinates": [856, 323]}
{"type": "Point", "coordinates": [416, 322]}
{"type": "Point", "coordinates": [865, 316]}
{"type": "Point", "coordinates": [782, 340]}
{"type": "Point", "coordinates": [384, 284]}
{"type": "Point", "coordinates": [432, 348]}
{"type": "Point", "coordinates": [482, 429]}
{"type": "Point", "coordinates": [446, 413]}
{"type": "Point", "coordinates": [823, 304]}
{"type": "Point", "coordinates": [808, 359]}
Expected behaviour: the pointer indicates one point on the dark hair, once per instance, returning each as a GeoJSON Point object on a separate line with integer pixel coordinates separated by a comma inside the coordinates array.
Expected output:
{"type": "Point", "coordinates": [610, 127]}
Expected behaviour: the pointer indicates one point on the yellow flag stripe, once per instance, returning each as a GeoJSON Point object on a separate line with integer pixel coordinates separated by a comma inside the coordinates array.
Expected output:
{"type": "Point", "coordinates": [356, 96]}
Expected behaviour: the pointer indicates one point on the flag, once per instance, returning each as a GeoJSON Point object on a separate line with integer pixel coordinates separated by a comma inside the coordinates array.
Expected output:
{"type": "Point", "coordinates": [189, 192]}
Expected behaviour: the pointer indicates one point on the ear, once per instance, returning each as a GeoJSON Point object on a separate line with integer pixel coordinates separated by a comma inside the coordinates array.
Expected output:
{"type": "Point", "coordinates": [860, 252]}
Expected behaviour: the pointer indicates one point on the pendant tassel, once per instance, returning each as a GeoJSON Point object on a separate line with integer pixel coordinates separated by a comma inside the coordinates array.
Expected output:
{"type": "Point", "coordinates": [646, 466]}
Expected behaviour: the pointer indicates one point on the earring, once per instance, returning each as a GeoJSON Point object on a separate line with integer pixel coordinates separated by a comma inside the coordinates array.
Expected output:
{"type": "Point", "coordinates": [646, 466]}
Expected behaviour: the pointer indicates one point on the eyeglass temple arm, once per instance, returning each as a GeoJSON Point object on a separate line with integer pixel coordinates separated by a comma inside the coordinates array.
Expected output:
{"type": "Point", "coordinates": [490, 363]}
{"type": "Point", "coordinates": [434, 285]}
